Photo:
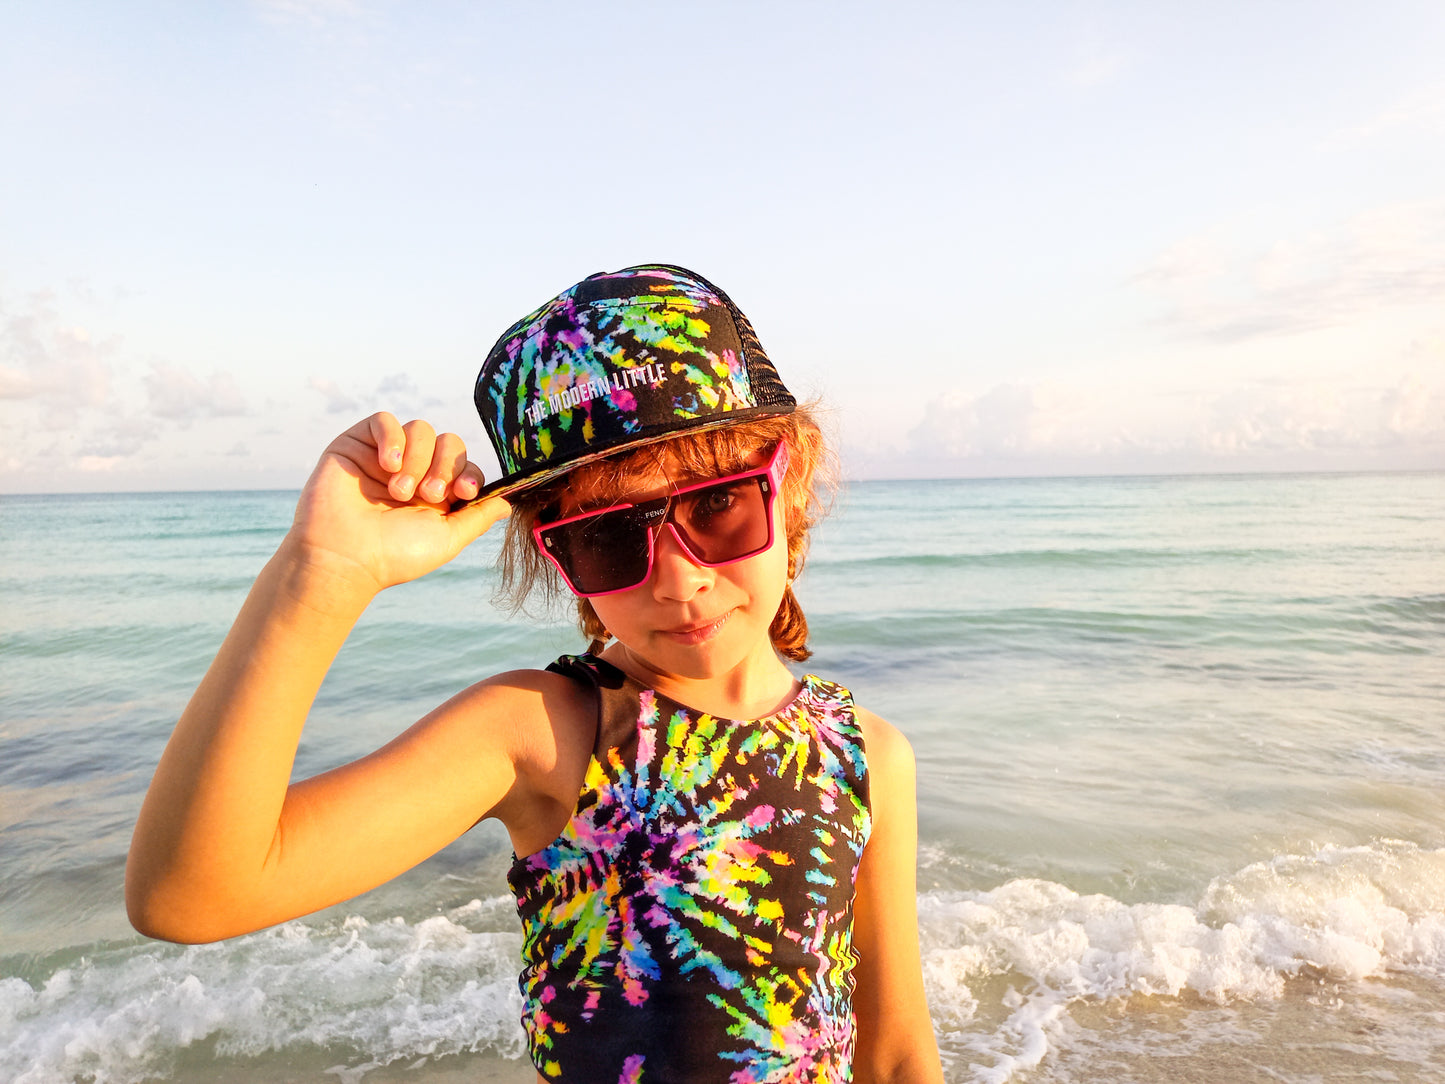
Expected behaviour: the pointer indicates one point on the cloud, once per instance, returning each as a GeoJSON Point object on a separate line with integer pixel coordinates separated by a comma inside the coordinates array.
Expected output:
{"type": "Point", "coordinates": [48, 361]}
{"type": "Point", "coordinates": [176, 395]}
{"type": "Point", "coordinates": [1312, 417]}
{"type": "Point", "coordinates": [1390, 257]}
{"type": "Point", "coordinates": [396, 392]}
{"type": "Point", "coordinates": [68, 392]}
{"type": "Point", "coordinates": [337, 401]}
{"type": "Point", "coordinates": [959, 426]}
{"type": "Point", "coordinates": [397, 385]}
{"type": "Point", "coordinates": [118, 439]}
{"type": "Point", "coordinates": [15, 384]}
{"type": "Point", "coordinates": [1186, 264]}
{"type": "Point", "coordinates": [399, 393]}
{"type": "Point", "coordinates": [1418, 113]}
{"type": "Point", "coordinates": [1021, 420]}
{"type": "Point", "coordinates": [1056, 425]}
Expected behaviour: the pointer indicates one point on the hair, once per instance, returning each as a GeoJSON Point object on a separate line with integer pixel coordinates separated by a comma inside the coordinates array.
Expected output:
{"type": "Point", "coordinates": [808, 489]}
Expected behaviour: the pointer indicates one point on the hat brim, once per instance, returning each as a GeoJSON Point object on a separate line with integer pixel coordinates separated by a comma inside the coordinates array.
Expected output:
{"type": "Point", "coordinates": [507, 485]}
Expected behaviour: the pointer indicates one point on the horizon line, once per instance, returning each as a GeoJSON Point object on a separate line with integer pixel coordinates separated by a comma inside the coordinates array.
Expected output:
{"type": "Point", "coordinates": [1269, 473]}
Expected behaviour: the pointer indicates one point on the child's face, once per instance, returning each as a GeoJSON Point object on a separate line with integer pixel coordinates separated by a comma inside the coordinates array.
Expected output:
{"type": "Point", "coordinates": [686, 619]}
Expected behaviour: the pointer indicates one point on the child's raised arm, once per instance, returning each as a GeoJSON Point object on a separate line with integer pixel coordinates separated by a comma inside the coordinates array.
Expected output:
{"type": "Point", "coordinates": [222, 846]}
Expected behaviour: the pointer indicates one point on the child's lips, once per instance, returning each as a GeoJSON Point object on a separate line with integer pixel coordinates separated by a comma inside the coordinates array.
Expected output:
{"type": "Point", "coordinates": [697, 632]}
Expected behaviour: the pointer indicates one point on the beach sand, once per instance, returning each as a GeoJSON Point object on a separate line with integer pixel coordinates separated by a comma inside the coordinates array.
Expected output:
{"type": "Point", "coordinates": [1317, 1032]}
{"type": "Point", "coordinates": [454, 1069]}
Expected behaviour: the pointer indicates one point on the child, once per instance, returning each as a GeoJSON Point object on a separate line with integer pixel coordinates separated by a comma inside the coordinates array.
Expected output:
{"type": "Point", "coordinates": [731, 898]}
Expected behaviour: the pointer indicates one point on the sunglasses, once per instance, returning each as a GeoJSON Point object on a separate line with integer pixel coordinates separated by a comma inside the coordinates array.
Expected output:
{"type": "Point", "coordinates": [716, 523]}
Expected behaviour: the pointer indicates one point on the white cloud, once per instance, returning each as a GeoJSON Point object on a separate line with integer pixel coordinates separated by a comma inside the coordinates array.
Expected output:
{"type": "Point", "coordinates": [67, 394]}
{"type": "Point", "coordinates": [16, 385]}
{"type": "Point", "coordinates": [177, 395]}
{"type": "Point", "coordinates": [337, 401]}
{"type": "Point", "coordinates": [1421, 112]}
{"type": "Point", "coordinates": [397, 384]}
{"type": "Point", "coordinates": [1186, 264]}
{"type": "Point", "coordinates": [1391, 257]}
{"type": "Point", "coordinates": [48, 361]}
{"type": "Point", "coordinates": [396, 392]}
{"type": "Point", "coordinates": [400, 394]}
{"type": "Point", "coordinates": [1012, 420]}
{"type": "Point", "coordinates": [1341, 421]}
{"type": "Point", "coordinates": [117, 439]}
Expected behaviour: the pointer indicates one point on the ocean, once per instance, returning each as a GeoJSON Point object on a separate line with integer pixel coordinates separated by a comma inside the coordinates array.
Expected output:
{"type": "Point", "coordinates": [1181, 783]}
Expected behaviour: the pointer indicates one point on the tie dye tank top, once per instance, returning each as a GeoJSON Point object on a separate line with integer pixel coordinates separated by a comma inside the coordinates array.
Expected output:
{"type": "Point", "coordinates": [693, 922]}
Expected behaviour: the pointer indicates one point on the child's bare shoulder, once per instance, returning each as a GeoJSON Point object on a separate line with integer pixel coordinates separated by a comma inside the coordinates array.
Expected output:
{"type": "Point", "coordinates": [543, 718]}
{"type": "Point", "coordinates": [524, 700]}
{"type": "Point", "coordinates": [888, 750]}
{"type": "Point", "coordinates": [546, 725]}
{"type": "Point", "coordinates": [529, 687]}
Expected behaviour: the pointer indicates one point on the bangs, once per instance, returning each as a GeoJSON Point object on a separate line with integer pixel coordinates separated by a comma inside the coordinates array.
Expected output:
{"type": "Point", "coordinates": [682, 460]}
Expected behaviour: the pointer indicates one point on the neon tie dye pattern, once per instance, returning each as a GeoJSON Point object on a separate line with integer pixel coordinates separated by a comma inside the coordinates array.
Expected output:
{"type": "Point", "coordinates": [619, 359]}
{"type": "Point", "coordinates": [693, 922]}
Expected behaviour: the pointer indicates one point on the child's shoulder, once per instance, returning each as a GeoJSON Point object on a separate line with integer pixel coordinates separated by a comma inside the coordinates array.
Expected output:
{"type": "Point", "coordinates": [529, 715]}
{"type": "Point", "coordinates": [884, 742]}
{"type": "Point", "coordinates": [887, 746]}
{"type": "Point", "coordinates": [528, 692]}
{"type": "Point", "coordinates": [544, 723]}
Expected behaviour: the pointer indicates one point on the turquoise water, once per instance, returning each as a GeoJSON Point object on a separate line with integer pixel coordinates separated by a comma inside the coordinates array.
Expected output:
{"type": "Point", "coordinates": [1182, 785]}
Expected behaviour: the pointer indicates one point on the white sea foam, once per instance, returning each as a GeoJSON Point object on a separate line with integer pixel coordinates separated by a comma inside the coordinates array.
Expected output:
{"type": "Point", "coordinates": [374, 993]}
{"type": "Point", "coordinates": [1006, 969]}
{"type": "Point", "coordinates": [1004, 966]}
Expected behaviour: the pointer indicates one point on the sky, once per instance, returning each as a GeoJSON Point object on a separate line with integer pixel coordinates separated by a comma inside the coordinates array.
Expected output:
{"type": "Point", "coordinates": [995, 239]}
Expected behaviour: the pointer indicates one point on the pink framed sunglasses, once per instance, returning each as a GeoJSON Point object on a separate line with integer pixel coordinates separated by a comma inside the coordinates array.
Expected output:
{"type": "Point", "coordinates": [716, 523]}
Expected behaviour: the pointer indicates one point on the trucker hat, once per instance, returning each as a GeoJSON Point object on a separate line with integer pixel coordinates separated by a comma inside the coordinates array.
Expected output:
{"type": "Point", "coordinates": [621, 359]}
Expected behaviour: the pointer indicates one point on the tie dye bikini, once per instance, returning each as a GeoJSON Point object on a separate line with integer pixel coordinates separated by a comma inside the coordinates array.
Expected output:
{"type": "Point", "coordinates": [693, 921]}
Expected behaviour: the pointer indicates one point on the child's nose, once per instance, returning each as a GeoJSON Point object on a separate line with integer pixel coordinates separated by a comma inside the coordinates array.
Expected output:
{"type": "Point", "coordinates": [675, 575]}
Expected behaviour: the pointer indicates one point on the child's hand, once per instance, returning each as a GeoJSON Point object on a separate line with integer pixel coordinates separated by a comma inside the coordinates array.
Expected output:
{"type": "Point", "coordinates": [378, 504]}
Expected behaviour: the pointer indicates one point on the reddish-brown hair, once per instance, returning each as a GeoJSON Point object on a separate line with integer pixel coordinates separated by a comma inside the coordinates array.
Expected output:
{"type": "Point", "coordinates": [807, 492]}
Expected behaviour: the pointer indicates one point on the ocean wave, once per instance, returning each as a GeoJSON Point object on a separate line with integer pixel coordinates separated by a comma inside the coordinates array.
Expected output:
{"type": "Point", "coordinates": [1017, 957]}
{"type": "Point", "coordinates": [1005, 968]}
{"type": "Point", "coordinates": [361, 992]}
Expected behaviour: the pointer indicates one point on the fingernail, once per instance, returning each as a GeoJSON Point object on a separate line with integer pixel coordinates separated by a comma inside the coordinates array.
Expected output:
{"type": "Point", "coordinates": [434, 490]}
{"type": "Point", "coordinates": [403, 485]}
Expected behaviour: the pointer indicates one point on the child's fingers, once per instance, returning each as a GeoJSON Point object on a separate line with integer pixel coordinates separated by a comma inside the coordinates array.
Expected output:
{"type": "Point", "coordinates": [416, 459]}
{"type": "Point", "coordinates": [448, 465]}
{"type": "Point", "coordinates": [411, 460]}
{"type": "Point", "coordinates": [373, 445]}
{"type": "Point", "coordinates": [388, 436]}
{"type": "Point", "coordinates": [468, 483]}
{"type": "Point", "coordinates": [475, 519]}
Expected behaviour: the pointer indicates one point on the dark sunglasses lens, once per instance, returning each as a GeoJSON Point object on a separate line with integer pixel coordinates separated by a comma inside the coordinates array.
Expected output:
{"type": "Point", "coordinates": [602, 553]}
{"type": "Point", "coordinates": [724, 522]}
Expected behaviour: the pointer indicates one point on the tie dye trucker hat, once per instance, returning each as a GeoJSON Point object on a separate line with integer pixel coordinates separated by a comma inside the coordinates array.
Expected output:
{"type": "Point", "coordinates": [620, 359]}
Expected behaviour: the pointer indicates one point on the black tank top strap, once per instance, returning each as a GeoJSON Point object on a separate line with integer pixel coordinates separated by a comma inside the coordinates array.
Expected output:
{"type": "Point", "coordinates": [616, 694]}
